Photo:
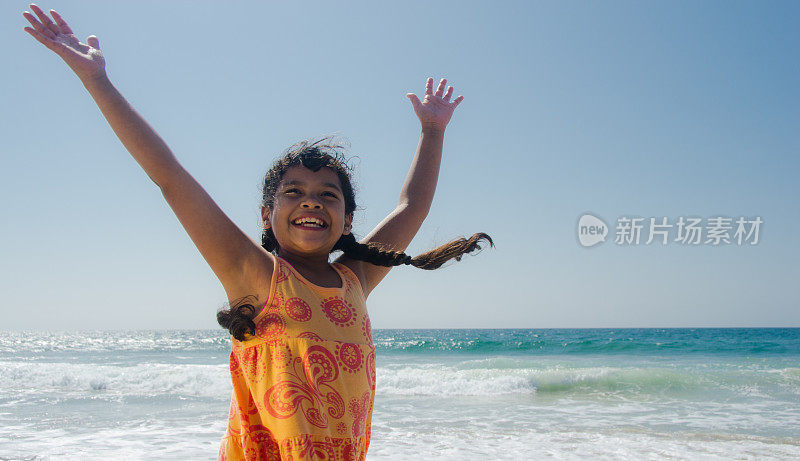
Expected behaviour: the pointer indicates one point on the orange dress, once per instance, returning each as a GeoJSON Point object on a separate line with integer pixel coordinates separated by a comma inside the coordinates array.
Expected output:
{"type": "Point", "coordinates": [304, 385]}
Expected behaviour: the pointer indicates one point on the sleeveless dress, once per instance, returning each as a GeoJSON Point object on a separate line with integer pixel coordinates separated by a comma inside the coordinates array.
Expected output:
{"type": "Point", "coordinates": [304, 385]}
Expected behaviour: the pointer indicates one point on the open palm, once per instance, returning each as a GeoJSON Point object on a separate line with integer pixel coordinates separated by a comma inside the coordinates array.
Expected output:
{"type": "Point", "coordinates": [85, 60]}
{"type": "Point", "coordinates": [435, 109]}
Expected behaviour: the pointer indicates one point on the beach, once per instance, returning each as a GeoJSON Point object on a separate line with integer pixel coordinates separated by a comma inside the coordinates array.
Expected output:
{"type": "Point", "coordinates": [441, 394]}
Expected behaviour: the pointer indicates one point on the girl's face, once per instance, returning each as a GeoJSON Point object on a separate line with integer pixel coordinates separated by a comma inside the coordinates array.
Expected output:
{"type": "Point", "coordinates": [308, 216]}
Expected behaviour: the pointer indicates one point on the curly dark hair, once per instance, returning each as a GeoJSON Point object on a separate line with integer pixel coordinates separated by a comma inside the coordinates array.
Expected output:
{"type": "Point", "coordinates": [316, 154]}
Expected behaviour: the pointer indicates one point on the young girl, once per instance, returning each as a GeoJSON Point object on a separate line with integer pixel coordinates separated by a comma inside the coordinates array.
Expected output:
{"type": "Point", "coordinates": [302, 360]}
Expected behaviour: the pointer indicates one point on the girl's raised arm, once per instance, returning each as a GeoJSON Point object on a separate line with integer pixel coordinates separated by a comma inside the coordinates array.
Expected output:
{"type": "Point", "coordinates": [238, 261]}
{"type": "Point", "coordinates": [401, 225]}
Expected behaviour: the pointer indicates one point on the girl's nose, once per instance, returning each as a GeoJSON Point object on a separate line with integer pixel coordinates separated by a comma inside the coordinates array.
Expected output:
{"type": "Point", "coordinates": [310, 203]}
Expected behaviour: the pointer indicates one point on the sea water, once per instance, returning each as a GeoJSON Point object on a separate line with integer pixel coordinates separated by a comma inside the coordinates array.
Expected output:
{"type": "Point", "coordinates": [441, 394]}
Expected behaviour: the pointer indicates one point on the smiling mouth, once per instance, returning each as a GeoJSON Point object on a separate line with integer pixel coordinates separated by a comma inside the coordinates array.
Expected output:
{"type": "Point", "coordinates": [310, 223]}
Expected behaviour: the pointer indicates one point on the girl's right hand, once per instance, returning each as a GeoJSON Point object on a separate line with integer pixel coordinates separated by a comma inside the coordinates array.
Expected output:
{"type": "Point", "coordinates": [85, 60]}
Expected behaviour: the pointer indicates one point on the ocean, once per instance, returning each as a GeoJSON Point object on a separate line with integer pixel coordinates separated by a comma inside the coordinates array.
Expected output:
{"type": "Point", "coordinates": [505, 394]}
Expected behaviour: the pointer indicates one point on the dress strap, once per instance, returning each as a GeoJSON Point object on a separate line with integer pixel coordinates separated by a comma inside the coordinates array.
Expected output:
{"type": "Point", "coordinates": [348, 274]}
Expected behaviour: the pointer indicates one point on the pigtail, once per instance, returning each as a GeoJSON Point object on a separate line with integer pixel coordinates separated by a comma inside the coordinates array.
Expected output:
{"type": "Point", "coordinates": [375, 254]}
{"type": "Point", "coordinates": [455, 249]}
{"type": "Point", "coordinates": [268, 240]}
{"type": "Point", "coordinates": [238, 319]}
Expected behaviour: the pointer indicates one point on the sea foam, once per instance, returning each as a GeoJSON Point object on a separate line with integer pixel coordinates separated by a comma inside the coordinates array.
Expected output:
{"type": "Point", "coordinates": [142, 380]}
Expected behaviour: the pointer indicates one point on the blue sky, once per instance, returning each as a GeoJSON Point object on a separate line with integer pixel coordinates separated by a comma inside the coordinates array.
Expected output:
{"type": "Point", "coordinates": [618, 109]}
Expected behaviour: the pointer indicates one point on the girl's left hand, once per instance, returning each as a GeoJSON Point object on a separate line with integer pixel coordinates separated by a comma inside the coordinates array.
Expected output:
{"type": "Point", "coordinates": [436, 109]}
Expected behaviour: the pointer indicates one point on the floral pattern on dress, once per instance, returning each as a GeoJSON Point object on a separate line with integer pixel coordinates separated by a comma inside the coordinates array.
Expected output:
{"type": "Point", "coordinates": [297, 309]}
{"type": "Point", "coordinates": [366, 329]}
{"type": "Point", "coordinates": [339, 311]}
{"type": "Point", "coordinates": [307, 387]}
{"type": "Point", "coordinates": [271, 326]}
{"type": "Point", "coordinates": [300, 381]}
{"type": "Point", "coordinates": [254, 364]}
{"type": "Point", "coordinates": [370, 369]}
{"type": "Point", "coordinates": [359, 408]}
{"type": "Point", "coordinates": [310, 335]}
{"type": "Point", "coordinates": [350, 356]}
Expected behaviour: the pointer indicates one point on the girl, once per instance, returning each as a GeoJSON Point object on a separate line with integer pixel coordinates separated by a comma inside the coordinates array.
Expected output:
{"type": "Point", "coordinates": [302, 361]}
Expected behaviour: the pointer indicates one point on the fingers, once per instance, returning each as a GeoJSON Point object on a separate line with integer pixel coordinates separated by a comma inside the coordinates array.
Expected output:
{"type": "Point", "coordinates": [44, 31]}
{"type": "Point", "coordinates": [46, 21]}
{"type": "Point", "coordinates": [416, 102]}
{"type": "Point", "coordinates": [93, 42]}
{"type": "Point", "coordinates": [41, 38]}
{"type": "Point", "coordinates": [62, 24]}
{"type": "Point", "coordinates": [448, 94]}
{"type": "Point", "coordinates": [440, 92]}
{"type": "Point", "coordinates": [440, 88]}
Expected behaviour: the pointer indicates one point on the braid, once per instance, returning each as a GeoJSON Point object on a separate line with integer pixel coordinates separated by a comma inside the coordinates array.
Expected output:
{"type": "Point", "coordinates": [268, 240]}
{"type": "Point", "coordinates": [238, 319]}
{"type": "Point", "coordinates": [375, 254]}
{"type": "Point", "coordinates": [370, 253]}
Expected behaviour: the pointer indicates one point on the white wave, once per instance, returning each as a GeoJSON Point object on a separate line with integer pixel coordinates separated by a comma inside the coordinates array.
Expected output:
{"type": "Point", "coordinates": [146, 379]}
{"type": "Point", "coordinates": [443, 380]}
{"type": "Point", "coordinates": [491, 376]}
{"type": "Point", "coordinates": [529, 375]}
{"type": "Point", "coordinates": [505, 376]}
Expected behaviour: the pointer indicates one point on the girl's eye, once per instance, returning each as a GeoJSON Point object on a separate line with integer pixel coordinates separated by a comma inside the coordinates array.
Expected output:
{"type": "Point", "coordinates": [291, 191]}
{"type": "Point", "coordinates": [330, 194]}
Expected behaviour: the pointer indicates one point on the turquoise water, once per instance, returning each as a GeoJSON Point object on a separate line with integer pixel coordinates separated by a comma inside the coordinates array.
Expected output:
{"type": "Point", "coordinates": [627, 341]}
{"type": "Point", "coordinates": [639, 341]}
{"type": "Point", "coordinates": [441, 394]}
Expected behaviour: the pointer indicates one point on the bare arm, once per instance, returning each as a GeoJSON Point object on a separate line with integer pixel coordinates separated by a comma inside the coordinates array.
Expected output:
{"type": "Point", "coordinates": [401, 225]}
{"type": "Point", "coordinates": [233, 256]}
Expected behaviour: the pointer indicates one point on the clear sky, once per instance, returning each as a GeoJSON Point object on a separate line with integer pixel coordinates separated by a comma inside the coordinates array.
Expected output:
{"type": "Point", "coordinates": [656, 109]}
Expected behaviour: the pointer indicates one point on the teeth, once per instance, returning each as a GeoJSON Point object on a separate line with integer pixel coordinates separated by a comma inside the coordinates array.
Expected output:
{"type": "Point", "coordinates": [309, 222]}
